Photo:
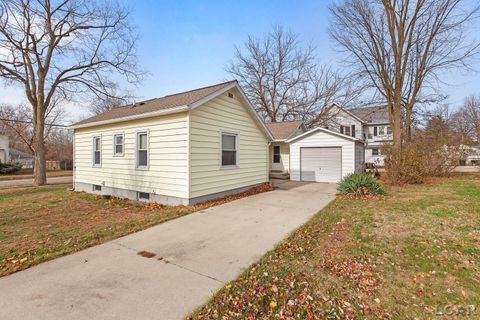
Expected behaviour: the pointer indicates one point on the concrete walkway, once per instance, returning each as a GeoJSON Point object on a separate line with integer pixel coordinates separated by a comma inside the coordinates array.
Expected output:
{"type": "Point", "coordinates": [21, 182]}
{"type": "Point", "coordinates": [195, 256]}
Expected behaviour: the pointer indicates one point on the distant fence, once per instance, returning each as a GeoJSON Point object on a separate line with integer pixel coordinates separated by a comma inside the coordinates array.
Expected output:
{"type": "Point", "coordinates": [53, 165]}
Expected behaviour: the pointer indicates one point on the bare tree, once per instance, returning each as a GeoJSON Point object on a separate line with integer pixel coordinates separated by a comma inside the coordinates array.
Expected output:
{"type": "Point", "coordinates": [16, 121]}
{"type": "Point", "coordinates": [400, 46]}
{"type": "Point", "coordinates": [284, 81]}
{"type": "Point", "coordinates": [468, 117]}
{"type": "Point", "coordinates": [115, 100]}
{"type": "Point", "coordinates": [64, 49]}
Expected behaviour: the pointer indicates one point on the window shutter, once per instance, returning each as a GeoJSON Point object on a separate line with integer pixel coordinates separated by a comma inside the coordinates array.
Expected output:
{"type": "Point", "coordinates": [341, 129]}
{"type": "Point", "coordinates": [353, 130]}
{"type": "Point", "coordinates": [375, 131]}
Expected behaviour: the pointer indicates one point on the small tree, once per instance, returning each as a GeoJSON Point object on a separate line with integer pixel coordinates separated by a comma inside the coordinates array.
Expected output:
{"type": "Point", "coordinates": [400, 48]}
{"type": "Point", "coordinates": [64, 49]}
{"type": "Point", "coordinates": [284, 81]}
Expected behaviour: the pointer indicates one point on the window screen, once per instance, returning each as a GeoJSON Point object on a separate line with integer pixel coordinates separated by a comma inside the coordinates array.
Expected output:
{"type": "Point", "coordinates": [142, 149]}
{"type": "Point", "coordinates": [229, 149]}
{"type": "Point", "coordinates": [97, 156]}
{"type": "Point", "coordinates": [118, 144]}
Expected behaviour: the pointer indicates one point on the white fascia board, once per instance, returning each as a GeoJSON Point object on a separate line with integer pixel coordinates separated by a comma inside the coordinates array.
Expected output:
{"type": "Point", "coordinates": [129, 118]}
{"type": "Point", "coordinates": [347, 112]}
{"type": "Point", "coordinates": [326, 131]}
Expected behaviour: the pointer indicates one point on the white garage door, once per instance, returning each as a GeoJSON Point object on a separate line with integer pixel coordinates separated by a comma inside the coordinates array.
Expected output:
{"type": "Point", "coordinates": [321, 164]}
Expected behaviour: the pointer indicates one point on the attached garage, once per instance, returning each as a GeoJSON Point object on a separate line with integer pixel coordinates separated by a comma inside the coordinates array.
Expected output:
{"type": "Point", "coordinates": [321, 155]}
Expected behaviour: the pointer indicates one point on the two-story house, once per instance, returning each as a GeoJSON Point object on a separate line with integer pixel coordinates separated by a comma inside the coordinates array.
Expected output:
{"type": "Point", "coordinates": [370, 124]}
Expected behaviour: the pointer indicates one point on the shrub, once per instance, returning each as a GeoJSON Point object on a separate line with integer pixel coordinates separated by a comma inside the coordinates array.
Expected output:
{"type": "Point", "coordinates": [408, 167]}
{"type": "Point", "coordinates": [10, 168]}
{"type": "Point", "coordinates": [424, 156]}
{"type": "Point", "coordinates": [360, 184]}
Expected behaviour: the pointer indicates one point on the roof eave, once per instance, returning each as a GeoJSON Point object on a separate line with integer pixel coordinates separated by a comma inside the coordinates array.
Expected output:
{"type": "Point", "coordinates": [129, 118]}
{"type": "Point", "coordinates": [326, 131]}
{"type": "Point", "coordinates": [348, 112]}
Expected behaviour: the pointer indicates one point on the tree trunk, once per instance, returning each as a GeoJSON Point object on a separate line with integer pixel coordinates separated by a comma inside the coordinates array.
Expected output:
{"type": "Point", "coordinates": [39, 171]}
{"type": "Point", "coordinates": [397, 131]}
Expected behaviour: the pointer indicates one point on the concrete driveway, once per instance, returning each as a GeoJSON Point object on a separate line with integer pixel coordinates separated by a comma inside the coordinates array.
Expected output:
{"type": "Point", "coordinates": [195, 256]}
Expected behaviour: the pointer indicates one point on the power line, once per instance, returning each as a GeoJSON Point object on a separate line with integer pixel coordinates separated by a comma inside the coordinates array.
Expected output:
{"type": "Point", "coordinates": [30, 122]}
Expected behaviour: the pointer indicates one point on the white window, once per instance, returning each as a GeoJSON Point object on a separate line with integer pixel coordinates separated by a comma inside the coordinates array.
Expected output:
{"type": "Point", "coordinates": [118, 144]}
{"type": "Point", "coordinates": [381, 131]}
{"type": "Point", "coordinates": [389, 130]}
{"type": "Point", "coordinates": [375, 152]}
{"type": "Point", "coordinates": [229, 149]}
{"type": "Point", "coordinates": [276, 154]}
{"type": "Point", "coordinates": [142, 150]}
{"type": "Point", "coordinates": [97, 151]}
{"type": "Point", "coordinates": [346, 130]}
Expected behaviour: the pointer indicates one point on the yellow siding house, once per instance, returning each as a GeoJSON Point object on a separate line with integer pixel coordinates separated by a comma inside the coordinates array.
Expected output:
{"type": "Point", "coordinates": [179, 149]}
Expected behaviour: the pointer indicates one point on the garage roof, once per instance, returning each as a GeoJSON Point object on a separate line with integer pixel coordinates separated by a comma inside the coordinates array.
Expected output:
{"type": "Point", "coordinates": [326, 131]}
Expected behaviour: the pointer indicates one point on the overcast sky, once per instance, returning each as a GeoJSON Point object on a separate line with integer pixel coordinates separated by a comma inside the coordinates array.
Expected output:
{"type": "Point", "coordinates": [186, 44]}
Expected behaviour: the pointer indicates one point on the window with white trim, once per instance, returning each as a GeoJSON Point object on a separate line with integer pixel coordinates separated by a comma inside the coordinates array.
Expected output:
{"type": "Point", "coordinates": [389, 130]}
{"type": "Point", "coordinates": [276, 154]}
{"type": "Point", "coordinates": [97, 151]}
{"type": "Point", "coordinates": [118, 144]}
{"type": "Point", "coordinates": [142, 150]}
{"type": "Point", "coordinates": [229, 149]}
{"type": "Point", "coordinates": [381, 131]}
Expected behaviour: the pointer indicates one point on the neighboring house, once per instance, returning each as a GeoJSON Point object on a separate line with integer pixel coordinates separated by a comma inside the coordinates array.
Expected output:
{"type": "Point", "coordinates": [25, 159]}
{"type": "Point", "coordinates": [370, 124]}
{"type": "Point", "coordinates": [470, 155]}
{"type": "Point", "coordinates": [280, 150]}
{"type": "Point", "coordinates": [4, 150]}
{"type": "Point", "coordinates": [199, 145]}
{"type": "Point", "coordinates": [180, 149]}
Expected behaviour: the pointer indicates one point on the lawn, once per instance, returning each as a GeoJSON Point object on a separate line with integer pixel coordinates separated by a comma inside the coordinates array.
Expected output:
{"type": "Point", "coordinates": [413, 254]}
{"type": "Point", "coordinates": [42, 223]}
{"type": "Point", "coordinates": [28, 174]}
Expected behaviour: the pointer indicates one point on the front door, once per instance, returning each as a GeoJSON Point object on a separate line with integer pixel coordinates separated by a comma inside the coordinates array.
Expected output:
{"type": "Point", "coordinates": [276, 158]}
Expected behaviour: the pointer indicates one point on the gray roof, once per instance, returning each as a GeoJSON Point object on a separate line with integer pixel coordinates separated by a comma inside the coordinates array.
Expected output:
{"type": "Point", "coordinates": [377, 114]}
{"type": "Point", "coordinates": [167, 102]}
{"type": "Point", "coordinates": [16, 154]}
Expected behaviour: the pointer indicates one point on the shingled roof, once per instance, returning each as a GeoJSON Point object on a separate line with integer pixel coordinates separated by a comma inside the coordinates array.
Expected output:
{"type": "Point", "coordinates": [283, 130]}
{"type": "Point", "coordinates": [377, 114]}
{"type": "Point", "coordinates": [164, 103]}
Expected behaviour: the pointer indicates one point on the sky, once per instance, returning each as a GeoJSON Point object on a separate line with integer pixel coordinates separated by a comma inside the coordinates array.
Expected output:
{"type": "Point", "coordinates": [186, 44]}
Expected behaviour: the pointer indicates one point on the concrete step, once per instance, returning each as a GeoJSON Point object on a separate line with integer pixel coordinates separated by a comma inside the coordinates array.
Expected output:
{"type": "Point", "coordinates": [279, 175]}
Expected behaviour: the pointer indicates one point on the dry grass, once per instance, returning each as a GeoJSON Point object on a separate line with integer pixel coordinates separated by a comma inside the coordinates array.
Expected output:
{"type": "Point", "coordinates": [413, 254]}
{"type": "Point", "coordinates": [42, 223]}
{"type": "Point", "coordinates": [28, 174]}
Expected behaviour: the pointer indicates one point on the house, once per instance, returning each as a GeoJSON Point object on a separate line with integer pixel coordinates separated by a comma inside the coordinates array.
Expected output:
{"type": "Point", "coordinates": [8, 154]}
{"type": "Point", "coordinates": [4, 150]}
{"type": "Point", "coordinates": [179, 149]}
{"type": "Point", "coordinates": [370, 124]}
{"type": "Point", "coordinates": [279, 149]}
{"type": "Point", "coordinates": [201, 144]}
{"type": "Point", "coordinates": [25, 159]}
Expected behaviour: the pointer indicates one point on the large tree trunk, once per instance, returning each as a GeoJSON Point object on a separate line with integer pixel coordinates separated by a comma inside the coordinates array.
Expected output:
{"type": "Point", "coordinates": [397, 131]}
{"type": "Point", "coordinates": [40, 172]}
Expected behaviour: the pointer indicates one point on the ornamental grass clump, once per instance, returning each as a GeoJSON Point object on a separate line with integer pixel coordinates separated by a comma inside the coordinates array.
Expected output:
{"type": "Point", "coordinates": [360, 185]}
